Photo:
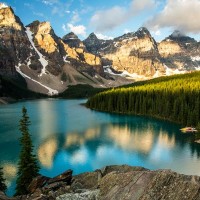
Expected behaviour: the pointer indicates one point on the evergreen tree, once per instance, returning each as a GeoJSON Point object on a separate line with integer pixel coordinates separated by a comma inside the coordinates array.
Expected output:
{"type": "Point", "coordinates": [27, 166]}
{"type": "Point", "coordinates": [176, 98]}
{"type": "Point", "coordinates": [2, 181]}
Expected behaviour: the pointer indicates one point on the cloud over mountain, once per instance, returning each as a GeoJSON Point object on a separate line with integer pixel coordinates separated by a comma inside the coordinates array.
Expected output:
{"type": "Point", "coordinates": [104, 20]}
{"type": "Point", "coordinates": [178, 14]}
{"type": "Point", "coordinates": [78, 30]}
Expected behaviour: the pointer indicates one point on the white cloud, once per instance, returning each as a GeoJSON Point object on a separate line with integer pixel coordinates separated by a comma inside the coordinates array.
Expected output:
{"type": "Point", "coordinates": [103, 37]}
{"type": "Point", "coordinates": [50, 2]}
{"type": "Point", "coordinates": [75, 17]}
{"type": "Point", "coordinates": [78, 30]}
{"type": "Point", "coordinates": [55, 10]}
{"type": "Point", "coordinates": [64, 27]}
{"type": "Point", "coordinates": [31, 7]}
{"type": "Point", "coordinates": [178, 14]}
{"type": "Point", "coordinates": [59, 7]}
{"type": "Point", "coordinates": [68, 11]}
{"type": "Point", "coordinates": [105, 20]}
{"type": "Point", "coordinates": [38, 14]}
{"type": "Point", "coordinates": [157, 32]}
{"type": "Point", "coordinates": [108, 19]}
{"type": "Point", "coordinates": [126, 31]}
{"type": "Point", "coordinates": [140, 5]}
{"type": "Point", "coordinates": [28, 5]}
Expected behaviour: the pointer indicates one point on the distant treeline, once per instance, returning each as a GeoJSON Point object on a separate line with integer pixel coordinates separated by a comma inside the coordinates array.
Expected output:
{"type": "Point", "coordinates": [79, 91]}
{"type": "Point", "coordinates": [16, 88]}
{"type": "Point", "coordinates": [175, 98]}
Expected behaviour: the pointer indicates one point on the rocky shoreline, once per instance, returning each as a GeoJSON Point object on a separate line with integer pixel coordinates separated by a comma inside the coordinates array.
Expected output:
{"type": "Point", "coordinates": [112, 183]}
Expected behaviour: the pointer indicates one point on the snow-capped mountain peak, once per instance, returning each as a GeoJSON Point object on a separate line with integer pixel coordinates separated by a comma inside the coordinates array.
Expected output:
{"type": "Point", "coordinates": [3, 5]}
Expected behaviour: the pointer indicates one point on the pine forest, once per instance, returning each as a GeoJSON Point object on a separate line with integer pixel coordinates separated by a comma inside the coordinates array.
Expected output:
{"type": "Point", "coordinates": [175, 98]}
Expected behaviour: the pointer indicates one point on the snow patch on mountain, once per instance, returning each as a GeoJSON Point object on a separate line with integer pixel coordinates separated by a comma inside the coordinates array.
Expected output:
{"type": "Point", "coordinates": [107, 69]}
{"type": "Point", "coordinates": [195, 58]}
{"type": "Point", "coordinates": [133, 75]}
{"type": "Point", "coordinates": [51, 91]}
{"type": "Point", "coordinates": [3, 5]}
{"type": "Point", "coordinates": [169, 71]}
{"type": "Point", "coordinates": [65, 59]}
{"type": "Point", "coordinates": [124, 73]}
{"type": "Point", "coordinates": [29, 62]}
{"type": "Point", "coordinates": [197, 68]}
{"type": "Point", "coordinates": [42, 60]}
{"type": "Point", "coordinates": [157, 74]}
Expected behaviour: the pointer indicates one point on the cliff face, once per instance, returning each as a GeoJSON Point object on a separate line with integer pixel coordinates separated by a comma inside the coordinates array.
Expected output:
{"type": "Point", "coordinates": [46, 62]}
{"type": "Point", "coordinates": [49, 64]}
{"type": "Point", "coordinates": [138, 53]}
{"type": "Point", "coordinates": [47, 43]}
{"type": "Point", "coordinates": [135, 53]}
{"type": "Point", "coordinates": [95, 45]}
{"type": "Point", "coordinates": [14, 44]}
{"type": "Point", "coordinates": [81, 55]}
{"type": "Point", "coordinates": [180, 52]}
{"type": "Point", "coordinates": [115, 182]}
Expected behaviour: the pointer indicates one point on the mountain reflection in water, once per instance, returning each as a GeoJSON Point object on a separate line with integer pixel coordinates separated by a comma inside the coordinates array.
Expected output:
{"type": "Point", "coordinates": [68, 135]}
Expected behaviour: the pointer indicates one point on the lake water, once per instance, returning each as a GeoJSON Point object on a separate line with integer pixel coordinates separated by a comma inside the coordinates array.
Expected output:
{"type": "Point", "coordinates": [68, 135]}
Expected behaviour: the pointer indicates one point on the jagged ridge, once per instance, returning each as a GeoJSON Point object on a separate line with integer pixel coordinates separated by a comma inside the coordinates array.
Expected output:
{"type": "Point", "coordinates": [49, 64]}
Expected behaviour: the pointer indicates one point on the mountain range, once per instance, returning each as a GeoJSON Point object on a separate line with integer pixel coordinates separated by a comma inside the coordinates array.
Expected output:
{"type": "Point", "coordinates": [48, 64]}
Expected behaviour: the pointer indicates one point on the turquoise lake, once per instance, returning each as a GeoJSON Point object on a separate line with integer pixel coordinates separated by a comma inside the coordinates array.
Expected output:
{"type": "Point", "coordinates": [67, 135]}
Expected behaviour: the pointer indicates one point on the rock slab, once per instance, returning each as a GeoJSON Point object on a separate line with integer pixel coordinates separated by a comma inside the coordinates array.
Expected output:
{"type": "Point", "coordinates": [117, 183]}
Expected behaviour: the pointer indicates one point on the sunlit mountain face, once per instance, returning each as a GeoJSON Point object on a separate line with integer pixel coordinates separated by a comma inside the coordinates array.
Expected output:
{"type": "Point", "coordinates": [90, 43]}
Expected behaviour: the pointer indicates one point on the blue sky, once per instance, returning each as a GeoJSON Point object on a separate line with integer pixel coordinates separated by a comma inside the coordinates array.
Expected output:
{"type": "Point", "coordinates": [112, 18]}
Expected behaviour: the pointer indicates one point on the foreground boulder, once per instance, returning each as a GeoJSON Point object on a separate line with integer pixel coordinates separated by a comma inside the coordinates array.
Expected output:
{"type": "Point", "coordinates": [147, 185]}
{"type": "Point", "coordinates": [117, 182]}
{"type": "Point", "coordinates": [37, 182]}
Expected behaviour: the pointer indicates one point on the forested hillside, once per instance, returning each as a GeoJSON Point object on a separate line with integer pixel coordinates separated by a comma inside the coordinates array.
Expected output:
{"type": "Point", "coordinates": [175, 98]}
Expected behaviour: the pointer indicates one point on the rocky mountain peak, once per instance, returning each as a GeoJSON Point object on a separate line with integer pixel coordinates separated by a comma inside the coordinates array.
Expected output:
{"type": "Point", "coordinates": [142, 32]}
{"type": "Point", "coordinates": [70, 36]}
{"type": "Point", "coordinates": [94, 45]}
{"type": "Point", "coordinates": [178, 36]}
{"type": "Point", "coordinates": [125, 36]}
{"type": "Point", "coordinates": [43, 28]}
{"type": "Point", "coordinates": [8, 18]}
{"type": "Point", "coordinates": [44, 35]}
{"type": "Point", "coordinates": [92, 36]}
{"type": "Point", "coordinates": [92, 39]}
{"type": "Point", "coordinates": [72, 40]}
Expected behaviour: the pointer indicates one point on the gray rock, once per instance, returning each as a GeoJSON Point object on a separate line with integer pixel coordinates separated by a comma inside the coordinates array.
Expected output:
{"type": "Point", "coordinates": [64, 177]}
{"type": "Point", "coordinates": [87, 195]}
{"type": "Point", "coordinates": [54, 186]}
{"type": "Point", "coordinates": [149, 185]}
{"type": "Point", "coordinates": [120, 168]}
{"type": "Point", "coordinates": [88, 180]}
{"type": "Point", "coordinates": [37, 182]}
{"type": "Point", "coordinates": [121, 182]}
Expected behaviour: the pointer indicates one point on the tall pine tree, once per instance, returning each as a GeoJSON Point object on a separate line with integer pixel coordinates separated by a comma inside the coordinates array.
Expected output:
{"type": "Point", "coordinates": [27, 166]}
{"type": "Point", "coordinates": [2, 181]}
